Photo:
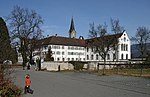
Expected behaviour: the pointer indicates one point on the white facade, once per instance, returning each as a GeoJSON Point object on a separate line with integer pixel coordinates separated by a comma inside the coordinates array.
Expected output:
{"type": "Point", "coordinates": [83, 53]}
{"type": "Point", "coordinates": [65, 53]}
{"type": "Point", "coordinates": [123, 53]}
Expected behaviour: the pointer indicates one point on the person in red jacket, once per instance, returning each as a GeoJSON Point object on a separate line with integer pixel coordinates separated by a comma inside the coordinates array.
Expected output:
{"type": "Point", "coordinates": [27, 82]}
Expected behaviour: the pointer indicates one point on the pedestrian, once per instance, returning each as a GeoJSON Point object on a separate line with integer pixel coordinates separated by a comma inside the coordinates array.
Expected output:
{"type": "Point", "coordinates": [27, 85]}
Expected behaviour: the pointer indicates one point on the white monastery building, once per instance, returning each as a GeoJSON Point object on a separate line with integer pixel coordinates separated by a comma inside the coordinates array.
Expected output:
{"type": "Point", "coordinates": [73, 49]}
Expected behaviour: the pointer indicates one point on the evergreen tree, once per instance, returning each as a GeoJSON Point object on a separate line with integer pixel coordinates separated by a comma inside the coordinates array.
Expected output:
{"type": "Point", "coordinates": [49, 55]}
{"type": "Point", "coordinates": [6, 52]}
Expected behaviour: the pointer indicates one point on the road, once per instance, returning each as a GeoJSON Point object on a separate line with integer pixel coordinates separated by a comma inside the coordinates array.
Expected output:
{"type": "Point", "coordinates": [76, 84]}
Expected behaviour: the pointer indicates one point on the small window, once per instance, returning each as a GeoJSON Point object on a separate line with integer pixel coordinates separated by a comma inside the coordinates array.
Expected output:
{"type": "Point", "coordinates": [62, 47]}
{"type": "Point", "coordinates": [63, 53]}
{"type": "Point", "coordinates": [92, 57]}
{"type": "Point", "coordinates": [87, 49]}
{"type": "Point", "coordinates": [114, 56]}
{"type": "Point", "coordinates": [68, 59]}
{"type": "Point", "coordinates": [124, 39]}
{"type": "Point", "coordinates": [108, 57]}
{"type": "Point", "coordinates": [87, 57]}
{"type": "Point", "coordinates": [122, 56]}
{"type": "Point", "coordinates": [126, 56]}
{"type": "Point", "coordinates": [58, 53]}
{"type": "Point", "coordinates": [97, 57]}
{"type": "Point", "coordinates": [72, 59]}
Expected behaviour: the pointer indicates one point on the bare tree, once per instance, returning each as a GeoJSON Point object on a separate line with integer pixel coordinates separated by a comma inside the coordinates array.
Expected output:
{"type": "Point", "coordinates": [116, 28]}
{"type": "Point", "coordinates": [142, 38]}
{"type": "Point", "coordinates": [24, 24]}
{"type": "Point", "coordinates": [101, 41]}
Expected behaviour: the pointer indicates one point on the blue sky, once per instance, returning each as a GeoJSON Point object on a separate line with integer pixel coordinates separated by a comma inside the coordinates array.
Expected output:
{"type": "Point", "coordinates": [57, 14]}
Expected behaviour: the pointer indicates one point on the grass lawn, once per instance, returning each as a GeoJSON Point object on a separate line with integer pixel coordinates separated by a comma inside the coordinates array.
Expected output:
{"type": "Point", "coordinates": [125, 71]}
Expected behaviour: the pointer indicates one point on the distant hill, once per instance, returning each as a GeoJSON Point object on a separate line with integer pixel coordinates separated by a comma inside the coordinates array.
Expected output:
{"type": "Point", "coordinates": [135, 50]}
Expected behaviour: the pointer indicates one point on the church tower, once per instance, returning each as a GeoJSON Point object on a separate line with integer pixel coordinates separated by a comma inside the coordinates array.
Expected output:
{"type": "Point", "coordinates": [72, 32]}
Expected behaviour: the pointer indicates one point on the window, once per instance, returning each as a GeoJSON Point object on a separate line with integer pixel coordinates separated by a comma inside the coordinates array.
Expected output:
{"type": "Point", "coordinates": [62, 47]}
{"type": "Point", "coordinates": [68, 59]}
{"type": "Point", "coordinates": [92, 49]}
{"type": "Point", "coordinates": [87, 49]}
{"type": "Point", "coordinates": [92, 57]}
{"type": "Point", "coordinates": [122, 56]}
{"type": "Point", "coordinates": [72, 59]}
{"type": "Point", "coordinates": [68, 47]}
{"type": "Point", "coordinates": [63, 53]}
{"type": "Point", "coordinates": [126, 47]}
{"type": "Point", "coordinates": [126, 56]}
{"type": "Point", "coordinates": [121, 47]}
{"type": "Point", "coordinates": [58, 53]}
{"type": "Point", "coordinates": [96, 56]}
{"type": "Point", "coordinates": [108, 57]}
{"type": "Point", "coordinates": [114, 56]}
{"type": "Point", "coordinates": [87, 57]}
{"type": "Point", "coordinates": [124, 39]}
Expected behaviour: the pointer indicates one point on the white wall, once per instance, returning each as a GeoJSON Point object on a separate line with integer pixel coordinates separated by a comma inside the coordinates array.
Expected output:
{"type": "Point", "coordinates": [53, 66]}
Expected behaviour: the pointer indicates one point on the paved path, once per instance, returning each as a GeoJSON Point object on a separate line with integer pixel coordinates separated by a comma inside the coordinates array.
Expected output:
{"type": "Point", "coordinates": [75, 84]}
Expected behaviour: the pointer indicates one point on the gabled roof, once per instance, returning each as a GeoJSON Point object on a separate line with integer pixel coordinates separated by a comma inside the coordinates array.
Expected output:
{"type": "Point", "coordinates": [105, 39]}
{"type": "Point", "coordinates": [58, 40]}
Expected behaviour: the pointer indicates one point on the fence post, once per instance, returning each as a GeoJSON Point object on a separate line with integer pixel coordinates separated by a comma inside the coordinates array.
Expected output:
{"type": "Point", "coordinates": [141, 73]}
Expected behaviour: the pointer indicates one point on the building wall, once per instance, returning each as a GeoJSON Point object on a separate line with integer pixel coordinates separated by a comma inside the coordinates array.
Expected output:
{"type": "Point", "coordinates": [124, 47]}
{"type": "Point", "coordinates": [123, 53]}
{"type": "Point", "coordinates": [66, 53]}
{"type": "Point", "coordinates": [78, 53]}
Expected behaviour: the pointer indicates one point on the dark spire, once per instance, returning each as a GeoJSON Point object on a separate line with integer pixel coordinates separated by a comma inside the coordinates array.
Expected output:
{"type": "Point", "coordinates": [72, 28]}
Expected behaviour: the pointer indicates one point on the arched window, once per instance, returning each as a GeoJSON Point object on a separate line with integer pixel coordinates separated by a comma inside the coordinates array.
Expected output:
{"type": "Point", "coordinates": [126, 47]}
{"type": "Point", "coordinates": [108, 57]}
{"type": "Point", "coordinates": [121, 47]}
{"type": "Point", "coordinates": [92, 57]}
{"type": "Point", "coordinates": [114, 56]}
{"type": "Point", "coordinates": [87, 57]}
{"type": "Point", "coordinates": [68, 59]}
{"type": "Point", "coordinates": [96, 56]}
{"type": "Point", "coordinates": [72, 59]}
{"type": "Point", "coordinates": [122, 56]}
{"type": "Point", "coordinates": [126, 56]}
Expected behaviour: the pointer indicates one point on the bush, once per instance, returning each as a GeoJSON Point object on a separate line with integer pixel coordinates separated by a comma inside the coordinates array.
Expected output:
{"type": "Point", "coordinates": [78, 65]}
{"type": "Point", "coordinates": [7, 87]}
{"type": "Point", "coordinates": [10, 91]}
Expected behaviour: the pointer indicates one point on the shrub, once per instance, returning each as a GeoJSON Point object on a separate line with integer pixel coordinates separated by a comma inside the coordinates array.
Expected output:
{"type": "Point", "coordinates": [10, 91]}
{"type": "Point", "coordinates": [7, 87]}
{"type": "Point", "coordinates": [78, 65]}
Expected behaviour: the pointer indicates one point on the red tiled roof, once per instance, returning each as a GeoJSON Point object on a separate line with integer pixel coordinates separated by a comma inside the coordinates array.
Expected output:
{"type": "Point", "coordinates": [106, 39]}
{"type": "Point", "coordinates": [58, 40]}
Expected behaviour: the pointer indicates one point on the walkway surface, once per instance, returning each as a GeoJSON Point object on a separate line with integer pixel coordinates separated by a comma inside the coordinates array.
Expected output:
{"type": "Point", "coordinates": [76, 84]}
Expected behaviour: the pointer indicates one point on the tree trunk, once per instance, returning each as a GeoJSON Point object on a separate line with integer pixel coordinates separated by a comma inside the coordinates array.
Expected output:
{"type": "Point", "coordinates": [104, 66]}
